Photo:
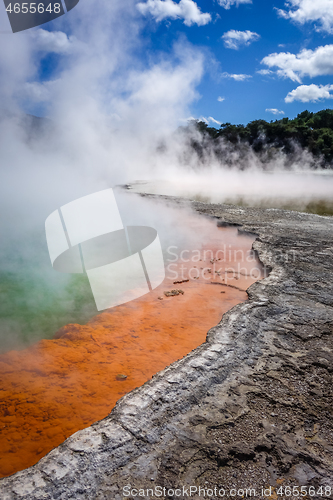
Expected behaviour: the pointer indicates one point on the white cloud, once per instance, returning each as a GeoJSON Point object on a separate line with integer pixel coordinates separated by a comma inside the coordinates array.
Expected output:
{"type": "Point", "coordinates": [51, 41]}
{"type": "Point", "coordinates": [167, 9]}
{"type": "Point", "coordinates": [226, 4]}
{"type": "Point", "coordinates": [265, 72]}
{"type": "Point", "coordinates": [306, 63]}
{"type": "Point", "coordinates": [274, 111]}
{"type": "Point", "coordinates": [303, 11]}
{"type": "Point", "coordinates": [234, 39]}
{"type": "Point", "coordinates": [209, 120]}
{"type": "Point", "coordinates": [236, 77]}
{"type": "Point", "coordinates": [221, 99]}
{"type": "Point", "coordinates": [310, 93]}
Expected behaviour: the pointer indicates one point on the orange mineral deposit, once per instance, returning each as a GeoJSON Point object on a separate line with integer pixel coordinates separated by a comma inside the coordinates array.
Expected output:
{"type": "Point", "coordinates": [58, 386]}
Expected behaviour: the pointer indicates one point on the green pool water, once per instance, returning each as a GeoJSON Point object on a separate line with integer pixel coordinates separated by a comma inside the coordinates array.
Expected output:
{"type": "Point", "coordinates": [35, 300]}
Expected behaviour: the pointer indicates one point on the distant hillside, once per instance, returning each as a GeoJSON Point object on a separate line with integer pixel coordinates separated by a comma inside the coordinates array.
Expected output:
{"type": "Point", "coordinates": [311, 131]}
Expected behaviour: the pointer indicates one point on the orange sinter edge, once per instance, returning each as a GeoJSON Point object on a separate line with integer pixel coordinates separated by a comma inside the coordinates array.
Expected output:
{"type": "Point", "coordinates": [59, 386]}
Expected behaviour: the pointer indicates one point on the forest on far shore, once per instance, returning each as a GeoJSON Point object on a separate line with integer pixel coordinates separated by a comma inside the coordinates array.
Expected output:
{"type": "Point", "coordinates": [310, 131]}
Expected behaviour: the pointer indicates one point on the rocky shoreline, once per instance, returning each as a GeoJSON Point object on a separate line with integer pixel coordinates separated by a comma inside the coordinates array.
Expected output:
{"type": "Point", "coordinates": [248, 409]}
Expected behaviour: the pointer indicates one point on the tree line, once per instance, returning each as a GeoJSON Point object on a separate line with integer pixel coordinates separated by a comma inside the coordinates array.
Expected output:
{"type": "Point", "coordinates": [311, 131]}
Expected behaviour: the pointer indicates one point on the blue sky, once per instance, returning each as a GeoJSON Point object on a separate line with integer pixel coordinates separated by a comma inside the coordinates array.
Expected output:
{"type": "Point", "coordinates": [261, 59]}
{"type": "Point", "coordinates": [244, 100]}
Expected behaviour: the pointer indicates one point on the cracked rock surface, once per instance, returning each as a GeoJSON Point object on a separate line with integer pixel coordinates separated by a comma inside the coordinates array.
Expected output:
{"type": "Point", "coordinates": [249, 408]}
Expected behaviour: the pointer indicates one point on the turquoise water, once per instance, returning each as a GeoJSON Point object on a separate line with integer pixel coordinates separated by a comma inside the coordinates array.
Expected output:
{"type": "Point", "coordinates": [36, 300]}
